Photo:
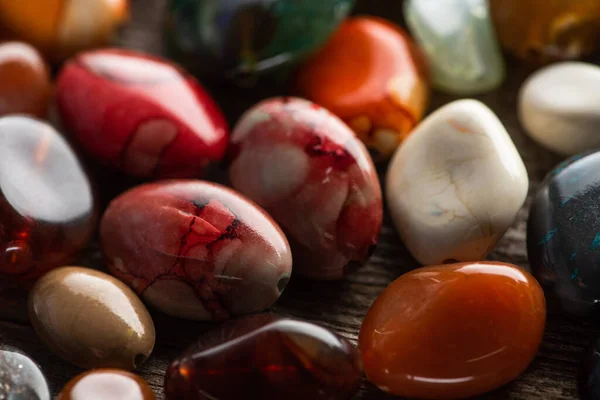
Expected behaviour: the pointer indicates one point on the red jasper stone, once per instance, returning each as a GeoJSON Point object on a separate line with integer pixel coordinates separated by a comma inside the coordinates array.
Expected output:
{"type": "Point", "coordinates": [47, 209]}
{"type": "Point", "coordinates": [260, 357]}
{"type": "Point", "coordinates": [308, 170]}
{"type": "Point", "coordinates": [196, 250]}
{"type": "Point", "coordinates": [140, 113]}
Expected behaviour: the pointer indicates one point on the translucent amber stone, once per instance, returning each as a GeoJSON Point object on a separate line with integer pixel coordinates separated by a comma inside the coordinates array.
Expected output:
{"type": "Point", "coordinates": [453, 331]}
{"type": "Point", "coordinates": [260, 357]}
{"type": "Point", "coordinates": [547, 30]}
{"type": "Point", "coordinates": [47, 209]}
{"type": "Point", "coordinates": [373, 77]}
{"type": "Point", "coordinates": [60, 28]}
{"type": "Point", "coordinates": [24, 80]}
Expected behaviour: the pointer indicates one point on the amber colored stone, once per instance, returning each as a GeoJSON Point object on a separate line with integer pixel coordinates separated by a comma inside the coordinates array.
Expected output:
{"type": "Point", "coordinates": [24, 80]}
{"type": "Point", "coordinates": [47, 211]}
{"type": "Point", "coordinates": [60, 28]}
{"type": "Point", "coordinates": [106, 383]}
{"type": "Point", "coordinates": [453, 331]}
{"type": "Point", "coordinates": [373, 77]}
{"type": "Point", "coordinates": [547, 30]}
{"type": "Point", "coordinates": [262, 357]}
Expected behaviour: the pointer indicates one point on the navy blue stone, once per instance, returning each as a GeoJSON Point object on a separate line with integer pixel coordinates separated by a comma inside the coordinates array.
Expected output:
{"type": "Point", "coordinates": [20, 378]}
{"type": "Point", "coordinates": [563, 236]}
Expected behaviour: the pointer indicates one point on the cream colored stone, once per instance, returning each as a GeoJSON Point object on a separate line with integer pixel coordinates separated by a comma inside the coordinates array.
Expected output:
{"type": "Point", "coordinates": [559, 106]}
{"type": "Point", "coordinates": [456, 184]}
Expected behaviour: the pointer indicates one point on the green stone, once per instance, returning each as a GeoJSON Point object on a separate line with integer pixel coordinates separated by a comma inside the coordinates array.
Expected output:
{"type": "Point", "coordinates": [458, 39]}
{"type": "Point", "coordinates": [241, 38]}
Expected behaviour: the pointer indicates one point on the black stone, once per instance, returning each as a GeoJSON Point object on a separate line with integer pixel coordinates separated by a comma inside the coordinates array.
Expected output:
{"type": "Point", "coordinates": [563, 236]}
{"type": "Point", "coordinates": [20, 378]}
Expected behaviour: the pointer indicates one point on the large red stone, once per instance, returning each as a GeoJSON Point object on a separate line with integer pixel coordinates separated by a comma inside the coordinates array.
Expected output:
{"type": "Point", "coordinates": [140, 113]}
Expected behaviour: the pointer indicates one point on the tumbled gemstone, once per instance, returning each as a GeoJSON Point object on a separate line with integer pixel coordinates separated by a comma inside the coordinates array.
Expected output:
{"type": "Point", "coordinates": [21, 378]}
{"type": "Point", "coordinates": [24, 80]}
{"type": "Point", "coordinates": [46, 203]}
{"type": "Point", "coordinates": [141, 114]}
{"type": "Point", "coordinates": [195, 249]}
{"type": "Point", "coordinates": [105, 384]}
{"type": "Point", "coordinates": [91, 319]}
{"type": "Point", "coordinates": [372, 76]}
{"type": "Point", "coordinates": [308, 170]}
{"type": "Point", "coordinates": [261, 357]}
{"type": "Point", "coordinates": [453, 331]}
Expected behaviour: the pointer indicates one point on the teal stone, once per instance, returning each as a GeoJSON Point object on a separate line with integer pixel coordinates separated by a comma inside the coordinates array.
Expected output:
{"type": "Point", "coordinates": [459, 41]}
{"type": "Point", "coordinates": [236, 39]}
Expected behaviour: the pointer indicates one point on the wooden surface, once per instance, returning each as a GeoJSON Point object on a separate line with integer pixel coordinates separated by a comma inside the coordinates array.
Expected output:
{"type": "Point", "coordinates": [341, 306]}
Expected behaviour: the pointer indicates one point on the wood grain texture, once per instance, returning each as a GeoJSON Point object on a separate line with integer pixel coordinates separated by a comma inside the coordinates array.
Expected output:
{"type": "Point", "coordinates": [341, 306]}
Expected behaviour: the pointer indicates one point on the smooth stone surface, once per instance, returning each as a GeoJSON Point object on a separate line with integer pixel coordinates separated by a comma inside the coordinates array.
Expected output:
{"type": "Point", "coordinates": [140, 113]}
{"type": "Point", "coordinates": [91, 319]}
{"type": "Point", "coordinates": [261, 357]}
{"type": "Point", "coordinates": [105, 384]}
{"type": "Point", "coordinates": [563, 236]}
{"type": "Point", "coordinates": [195, 249]}
{"type": "Point", "coordinates": [559, 107]}
{"type": "Point", "coordinates": [453, 331]}
{"type": "Point", "coordinates": [25, 86]}
{"type": "Point", "coordinates": [372, 76]}
{"type": "Point", "coordinates": [60, 28]}
{"type": "Point", "coordinates": [21, 378]}
{"type": "Point", "coordinates": [307, 169]}
{"type": "Point", "coordinates": [458, 38]}
{"type": "Point", "coordinates": [589, 373]}
{"type": "Point", "coordinates": [456, 184]}
{"type": "Point", "coordinates": [47, 209]}
{"type": "Point", "coordinates": [237, 39]}
{"type": "Point", "coordinates": [541, 31]}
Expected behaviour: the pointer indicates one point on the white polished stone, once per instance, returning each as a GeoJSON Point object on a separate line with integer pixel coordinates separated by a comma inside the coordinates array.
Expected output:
{"type": "Point", "coordinates": [456, 184]}
{"type": "Point", "coordinates": [559, 107]}
{"type": "Point", "coordinates": [459, 41]}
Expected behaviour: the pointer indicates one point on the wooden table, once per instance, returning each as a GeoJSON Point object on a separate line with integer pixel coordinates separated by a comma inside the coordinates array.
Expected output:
{"type": "Point", "coordinates": [341, 306]}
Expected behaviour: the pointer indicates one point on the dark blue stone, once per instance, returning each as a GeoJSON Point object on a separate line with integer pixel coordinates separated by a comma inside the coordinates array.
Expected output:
{"type": "Point", "coordinates": [563, 236]}
{"type": "Point", "coordinates": [20, 378]}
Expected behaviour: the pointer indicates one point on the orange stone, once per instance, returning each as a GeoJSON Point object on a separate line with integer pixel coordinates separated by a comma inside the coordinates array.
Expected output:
{"type": "Point", "coordinates": [547, 30]}
{"type": "Point", "coordinates": [373, 77]}
{"type": "Point", "coordinates": [453, 331]}
{"type": "Point", "coordinates": [25, 86]}
{"type": "Point", "coordinates": [60, 28]}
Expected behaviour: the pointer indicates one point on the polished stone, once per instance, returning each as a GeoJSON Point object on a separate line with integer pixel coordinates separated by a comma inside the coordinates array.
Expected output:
{"type": "Point", "coordinates": [21, 378]}
{"type": "Point", "coordinates": [453, 331]}
{"type": "Point", "coordinates": [106, 384]}
{"type": "Point", "coordinates": [458, 38]}
{"type": "Point", "coordinates": [456, 184]}
{"type": "Point", "coordinates": [558, 107]}
{"type": "Point", "coordinates": [563, 236]}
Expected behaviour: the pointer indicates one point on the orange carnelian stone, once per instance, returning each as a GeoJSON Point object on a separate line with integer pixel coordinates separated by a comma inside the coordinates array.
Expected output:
{"type": "Point", "coordinates": [373, 77]}
{"type": "Point", "coordinates": [25, 86]}
{"type": "Point", "coordinates": [453, 331]}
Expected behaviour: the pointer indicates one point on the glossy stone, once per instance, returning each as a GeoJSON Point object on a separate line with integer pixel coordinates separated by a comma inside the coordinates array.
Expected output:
{"type": "Point", "coordinates": [456, 184]}
{"type": "Point", "coordinates": [195, 249]}
{"type": "Point", "coordinates": [21, 378]}
{"type": "Point", "coordinates": [60, 28]}
{"type": "Point", "coordinates": [140, 113]}
{"type": "Point", "coordinates": [91, 319]}
{"type": "Point", "coordinates": [240, 38]}
{"type": "Point", "coordinates": [261, 357]}
{"type": "Point", "coordinates": [547, 30]}
{"type": "Point", "coordinates": [372, 76]}
{"type": "Point", "coordinates": [453, 331]}
{"type": "Point", "coordinates": [458, 38]}
{"type": "Point", "coordinates": [24, 80]}
{"type": "Point", "coordinates": [46, 204]}
{"type": "Point", "coordinates": [306, 168]}
{"type": "Point", "coordinates": [563, 235]}
{"type": "Point", "coordinates": [566, 121]}
{"type": "Point", "coordinates": [102, 384]}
